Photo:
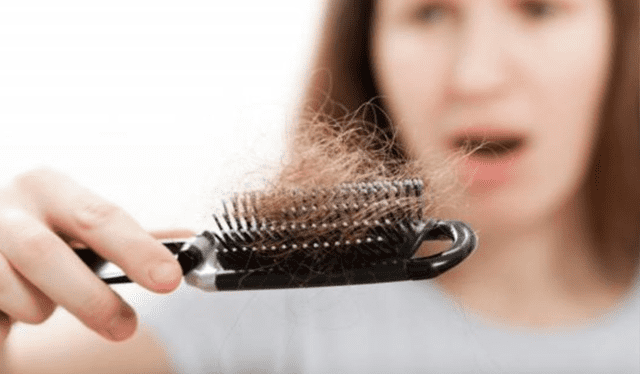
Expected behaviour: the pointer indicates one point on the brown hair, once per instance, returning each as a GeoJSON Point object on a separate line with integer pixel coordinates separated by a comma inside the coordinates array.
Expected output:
{"type": "Point", "coordinates": [614, 181]}
{"type": "Point", "coordinates": [342, 84]}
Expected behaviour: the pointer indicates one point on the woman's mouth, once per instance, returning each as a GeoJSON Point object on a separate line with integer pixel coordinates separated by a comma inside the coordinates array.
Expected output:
{"type": "Point", "coordinates": [492, 155]}
{"type": "Point", "coordinates": [495, 148]}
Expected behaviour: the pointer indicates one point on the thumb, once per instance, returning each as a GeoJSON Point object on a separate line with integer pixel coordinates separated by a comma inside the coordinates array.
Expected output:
{"type": "Point", "coordinates": [172, 233]}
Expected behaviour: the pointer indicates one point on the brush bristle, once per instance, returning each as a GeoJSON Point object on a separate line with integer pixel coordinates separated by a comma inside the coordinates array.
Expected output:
{"type": "Point", "coordinates": [320, 230]}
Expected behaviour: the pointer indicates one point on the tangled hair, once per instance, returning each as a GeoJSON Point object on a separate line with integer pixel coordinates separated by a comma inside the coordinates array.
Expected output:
{"type": "Point", "coordinates": [329, 152]}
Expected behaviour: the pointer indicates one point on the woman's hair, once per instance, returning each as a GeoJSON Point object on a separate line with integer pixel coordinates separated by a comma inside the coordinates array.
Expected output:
{"type": "Point", "coordinates": [342, 102]}
{"type": "Point", "coordinates": [613, 183]}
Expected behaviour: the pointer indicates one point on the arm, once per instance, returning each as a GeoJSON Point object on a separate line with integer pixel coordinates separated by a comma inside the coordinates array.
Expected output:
{"type": "Point", "coordinates": [64, 345]}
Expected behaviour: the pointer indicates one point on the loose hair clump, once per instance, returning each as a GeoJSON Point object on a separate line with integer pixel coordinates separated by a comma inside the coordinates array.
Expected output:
{"type": "Point", "coordinates": [327, 155]}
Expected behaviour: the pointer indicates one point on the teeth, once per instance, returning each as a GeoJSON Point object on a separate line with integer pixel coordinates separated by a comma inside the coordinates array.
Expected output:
{"type": "Point", "coordinates": [494, 147]}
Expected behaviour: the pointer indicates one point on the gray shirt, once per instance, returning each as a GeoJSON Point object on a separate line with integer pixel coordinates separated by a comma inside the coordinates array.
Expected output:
{"type": "Point", "coordinates": [404, 327]}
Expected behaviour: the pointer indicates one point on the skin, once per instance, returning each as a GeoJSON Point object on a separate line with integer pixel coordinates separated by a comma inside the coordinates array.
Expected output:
{"type": "Point", "coordinates": [440, 66]}
{"type": "Point", "coordinates": [538, 67]}
{"type": "Point", "coordinates": [38, 210]}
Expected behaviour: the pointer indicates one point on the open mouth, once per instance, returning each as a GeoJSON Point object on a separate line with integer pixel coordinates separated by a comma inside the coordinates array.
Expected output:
{"type": "Point", "coordinates": [490, 148]}
{"type": "Point", "coordinates": [495, 155]}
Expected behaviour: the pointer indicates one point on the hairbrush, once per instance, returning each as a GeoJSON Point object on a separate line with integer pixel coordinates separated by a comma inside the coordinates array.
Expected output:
{"type": "Point", "coordinates": [356, 233]}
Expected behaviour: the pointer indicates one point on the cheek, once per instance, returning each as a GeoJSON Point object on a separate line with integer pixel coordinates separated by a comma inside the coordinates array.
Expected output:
{"type": "Point", "coordinates": [572, 79]}
{"type": "Point", "coordinates": [411, 75]}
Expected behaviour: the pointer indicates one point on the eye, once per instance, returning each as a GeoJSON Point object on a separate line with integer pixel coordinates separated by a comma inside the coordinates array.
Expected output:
{"type": "Point", "coordinates": [431, 13]}
{"type": "Point", "coordinates": [537, 9]}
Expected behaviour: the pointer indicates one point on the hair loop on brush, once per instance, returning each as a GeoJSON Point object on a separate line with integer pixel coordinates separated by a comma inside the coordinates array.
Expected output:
{"type": "Point", "coordinates": [319, 190]}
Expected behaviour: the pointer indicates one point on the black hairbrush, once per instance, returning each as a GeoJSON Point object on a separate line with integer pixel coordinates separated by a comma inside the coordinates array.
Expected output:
{"type": "Point", "coordinates": [351, 234]}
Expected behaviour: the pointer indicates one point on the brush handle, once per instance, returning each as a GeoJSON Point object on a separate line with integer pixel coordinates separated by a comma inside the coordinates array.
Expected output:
{"type": "Point", "coordinates": [464, 243]}
{"type": "Point", "coordinates": [462, 236]}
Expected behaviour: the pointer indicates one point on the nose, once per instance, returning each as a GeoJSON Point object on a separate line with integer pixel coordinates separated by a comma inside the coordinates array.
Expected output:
{"type": "Point", "coordinates": [479, 69]}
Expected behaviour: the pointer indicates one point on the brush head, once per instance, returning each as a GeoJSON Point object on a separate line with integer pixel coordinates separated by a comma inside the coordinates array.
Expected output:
{"type": "Point", "coordinates": [351, 234]}
{"type": "Point", "coordinates": [322, 231]}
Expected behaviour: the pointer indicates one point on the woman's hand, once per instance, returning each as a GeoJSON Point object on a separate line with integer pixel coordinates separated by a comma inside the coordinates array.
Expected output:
{"type": "Point", "coordinates": [41, 212]}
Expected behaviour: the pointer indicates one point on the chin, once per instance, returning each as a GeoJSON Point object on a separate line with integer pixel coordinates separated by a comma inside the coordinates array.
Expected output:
{"type": "Point", "coordinates": [508, 212]}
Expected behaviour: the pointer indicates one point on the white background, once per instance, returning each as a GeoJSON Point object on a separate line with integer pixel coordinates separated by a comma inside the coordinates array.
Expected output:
{"type": "Point", "coordinates": [161, 106]}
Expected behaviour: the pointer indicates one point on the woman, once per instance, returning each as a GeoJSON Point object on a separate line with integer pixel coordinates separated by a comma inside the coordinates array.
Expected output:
{"type": "Point", "coordinates": [552, 286]}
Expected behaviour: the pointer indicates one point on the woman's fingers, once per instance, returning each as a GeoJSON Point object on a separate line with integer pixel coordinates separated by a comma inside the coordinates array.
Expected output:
{"type": "Point", "coordinates": [19, 299]}
{"type": "Point", "coordinates": [172, 234]}
{"type": "Point", "coordinates": [38, 269]}
{"type": "Point", "coordinates": [78, 213]}
{"type": "Point", "coordinates": [40, 256]}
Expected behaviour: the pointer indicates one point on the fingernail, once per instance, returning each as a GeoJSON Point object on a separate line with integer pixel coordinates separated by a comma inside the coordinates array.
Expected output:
{"type": "Point", "coordinates": [165, 273]}
{"type": "Point", "coordinates": [123, 324]}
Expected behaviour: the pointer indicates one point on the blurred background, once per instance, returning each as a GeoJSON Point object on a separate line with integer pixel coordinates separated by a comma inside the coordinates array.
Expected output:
{"type": "Point", "coordinates": [161, 106]}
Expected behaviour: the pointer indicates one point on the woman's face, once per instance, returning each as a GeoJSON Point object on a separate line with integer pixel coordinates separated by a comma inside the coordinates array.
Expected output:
{"type": "Point", "coordinates": [528, 75]}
